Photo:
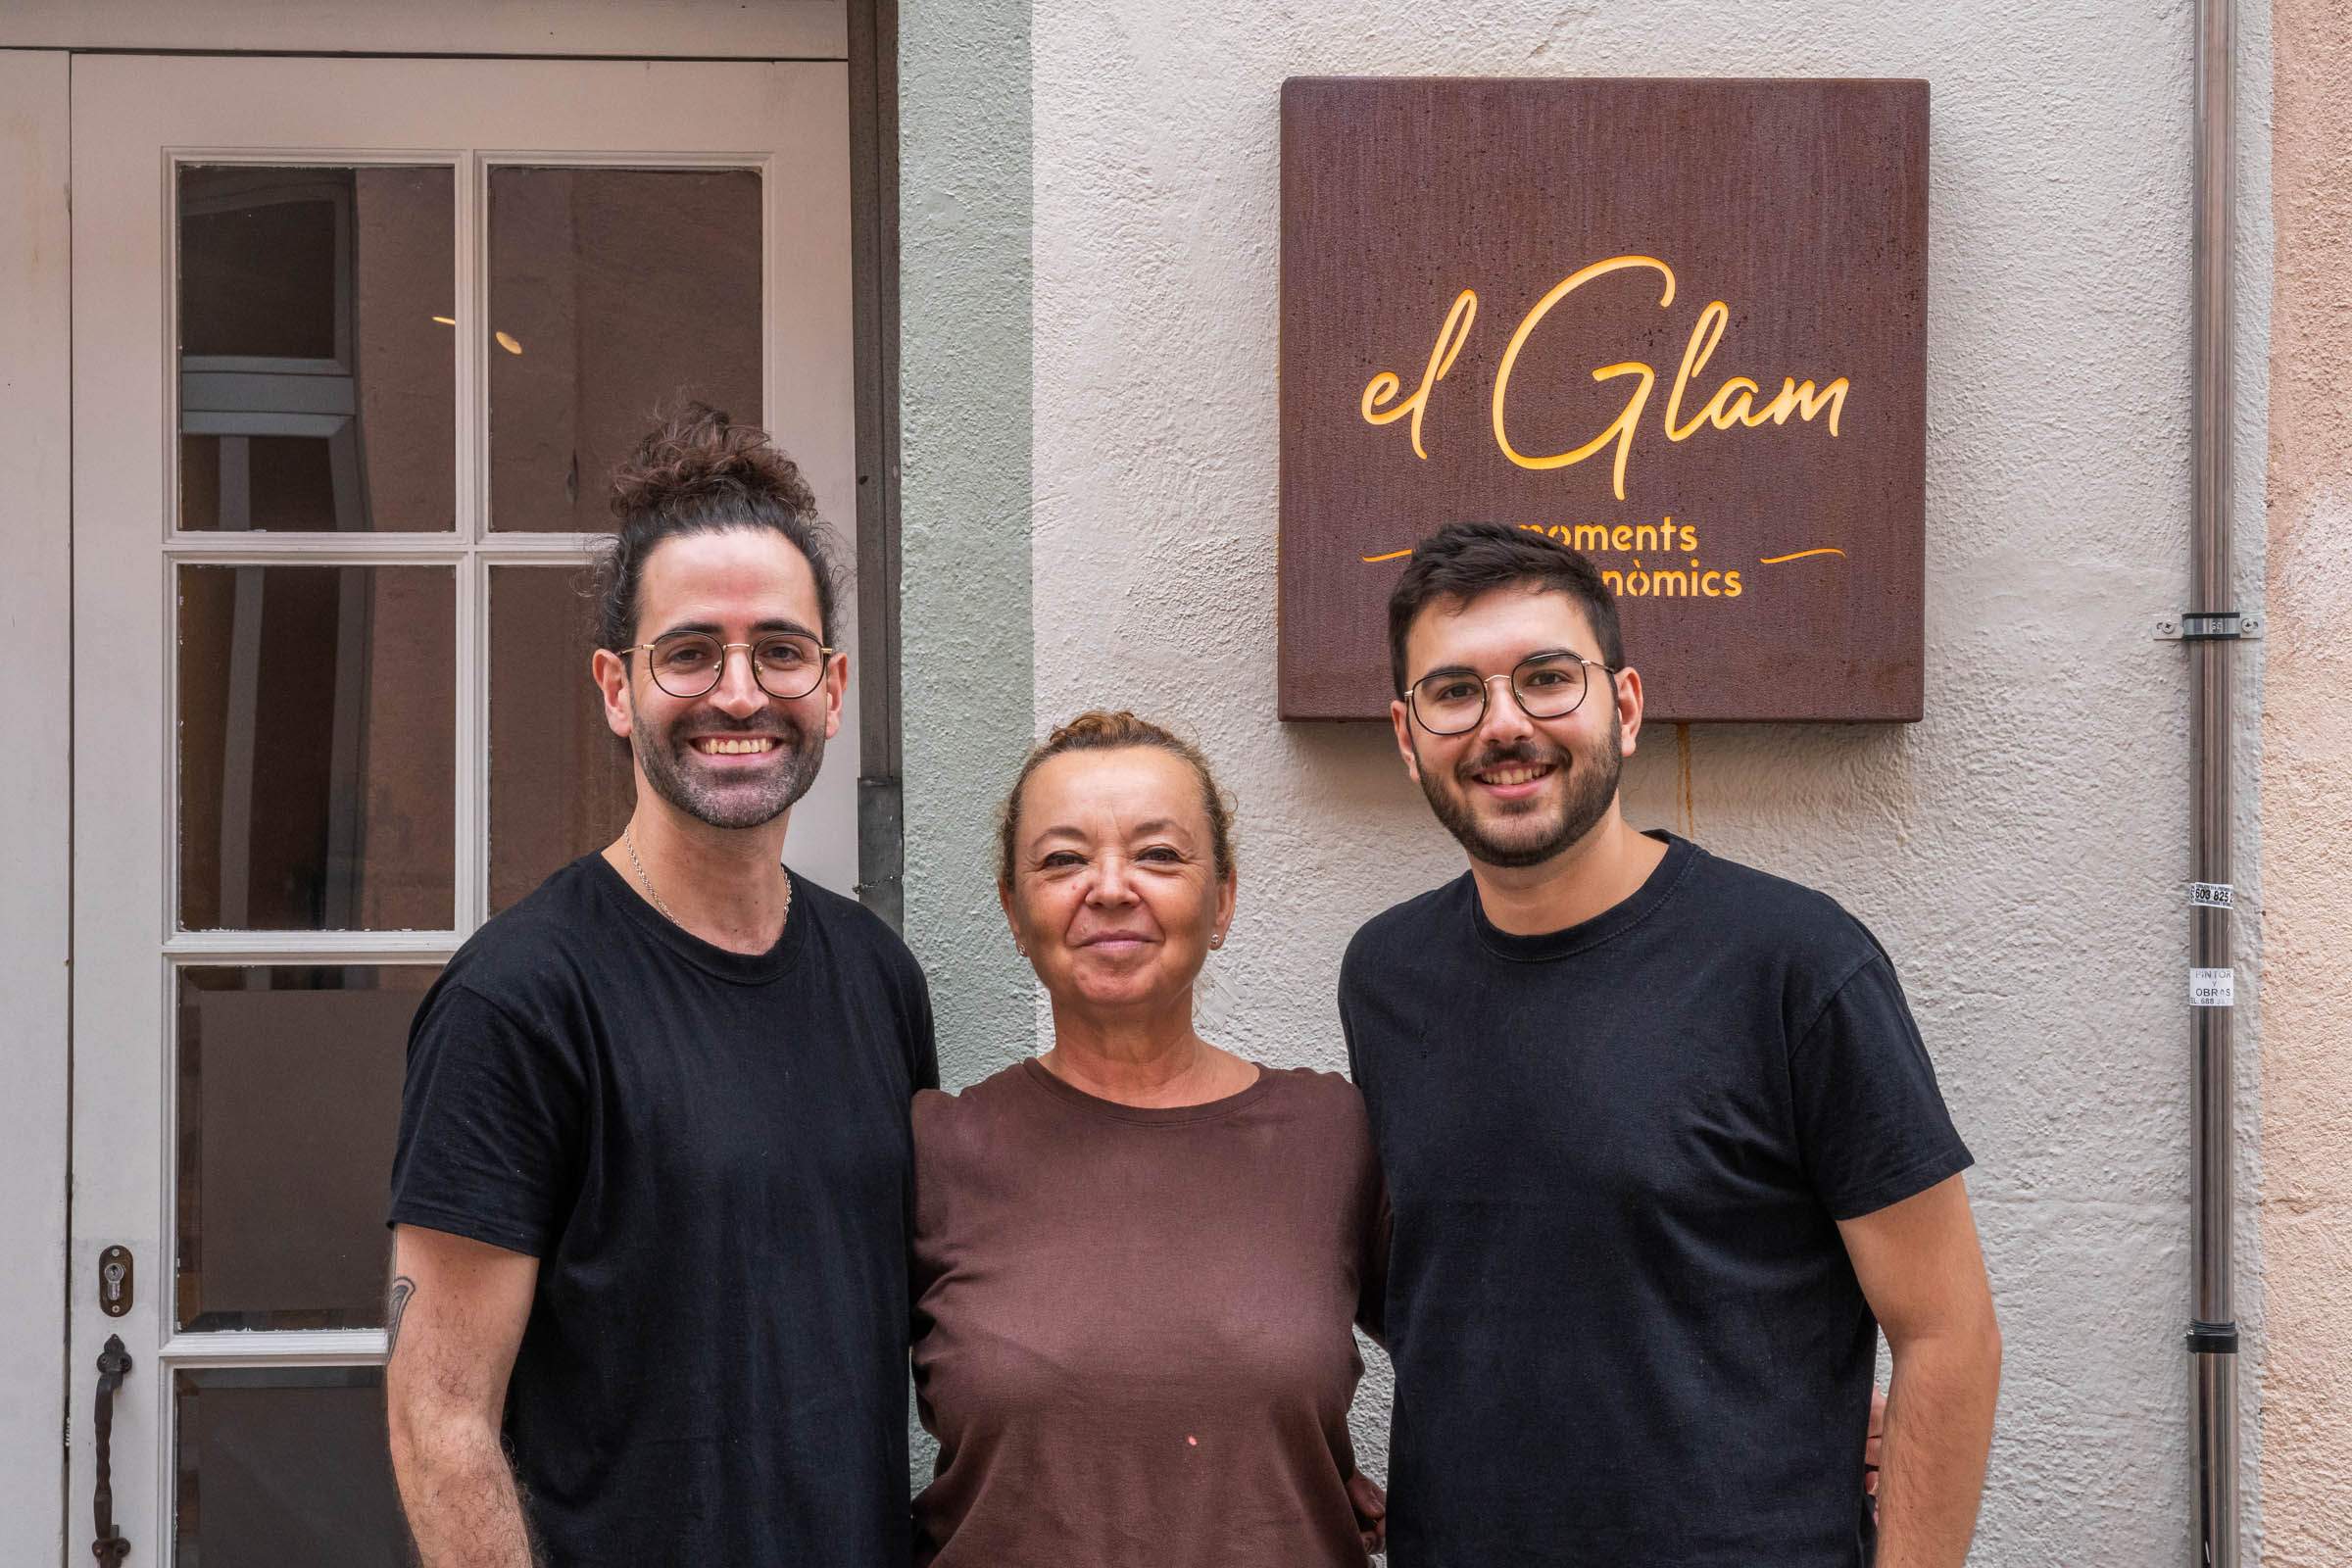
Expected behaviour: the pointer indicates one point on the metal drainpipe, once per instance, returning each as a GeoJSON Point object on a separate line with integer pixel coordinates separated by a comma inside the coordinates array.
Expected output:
{"type": "Point", "coordinates": [2211, 629]}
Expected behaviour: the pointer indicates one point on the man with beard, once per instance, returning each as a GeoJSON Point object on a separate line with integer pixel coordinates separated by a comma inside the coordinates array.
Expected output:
{"type": "Point", "coordinates": [1662, 1145]}
{"type": "Point", "coordinates": [651, 1192]}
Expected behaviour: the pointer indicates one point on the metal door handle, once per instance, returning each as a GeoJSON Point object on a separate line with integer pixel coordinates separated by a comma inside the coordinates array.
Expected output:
{"type": "Point", "coordinates": [110, 1549]}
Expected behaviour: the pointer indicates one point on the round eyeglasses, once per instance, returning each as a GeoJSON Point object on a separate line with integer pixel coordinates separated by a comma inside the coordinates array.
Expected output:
{"type": "Point", "coordinates": [1549, 685]}
{"type": "Point", "coordinates": [689, 663]}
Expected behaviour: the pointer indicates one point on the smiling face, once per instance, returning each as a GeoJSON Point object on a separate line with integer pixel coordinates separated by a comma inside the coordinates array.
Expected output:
{"type": "Point", "coordinates": [1115, 893]}
{"type": "Point", "coordinates": [1516, 791]}
{"type": "Point", "coordinates": [734, 756]}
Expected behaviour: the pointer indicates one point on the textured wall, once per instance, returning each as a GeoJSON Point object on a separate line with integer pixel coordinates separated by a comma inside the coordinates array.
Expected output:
{"type": "Point", "coordinates": [964, 507]}
{"type": "Point", "coordinates": [965, 227]}
{"type": "Point", "coordinates": [2307, 779]}
{"type": "Point", "coordinates": [37, 594]}
{"type": "Point", "coordinates": [2021, 853]}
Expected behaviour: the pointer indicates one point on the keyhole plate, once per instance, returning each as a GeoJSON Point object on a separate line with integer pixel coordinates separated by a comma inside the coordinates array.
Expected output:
{"type": "Point", "coordinates": [114, 1281]}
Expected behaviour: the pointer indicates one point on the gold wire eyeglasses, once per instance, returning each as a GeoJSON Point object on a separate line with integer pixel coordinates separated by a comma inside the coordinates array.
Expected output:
{"type": "Point", "coordinates": [689, 663]}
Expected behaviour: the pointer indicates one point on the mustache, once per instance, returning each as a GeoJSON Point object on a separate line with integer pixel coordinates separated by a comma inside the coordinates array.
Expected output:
{"type": "Point", "coordinates": [1519, 754]}
{"type": "Point", "coordinates": [717, 723]}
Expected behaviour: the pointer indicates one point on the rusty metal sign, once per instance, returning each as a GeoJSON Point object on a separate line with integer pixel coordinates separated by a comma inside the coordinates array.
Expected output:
{"type": "Point", "coordinates": [1678, 325]}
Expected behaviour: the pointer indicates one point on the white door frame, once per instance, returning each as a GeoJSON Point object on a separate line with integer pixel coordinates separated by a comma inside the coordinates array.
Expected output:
{"type": "Point", "coordinates": [132, 118]}
{"type": "Point", "coordinates": [36, 612]}
{"type": "Point", "coordinates": [623, 29]}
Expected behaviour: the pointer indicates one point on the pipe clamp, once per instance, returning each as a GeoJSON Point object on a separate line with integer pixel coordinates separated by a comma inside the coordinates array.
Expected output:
{"type": "Point", "coordinates": [2211, 1338]}
{"type": "Point", "coordinates": [2208, 626]}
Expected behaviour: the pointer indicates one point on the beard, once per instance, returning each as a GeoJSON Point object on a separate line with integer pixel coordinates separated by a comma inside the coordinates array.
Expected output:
{"type": "Point", "coordinates": [743, 798]}
{"type": "Point", "coordinates": [1522, 833]}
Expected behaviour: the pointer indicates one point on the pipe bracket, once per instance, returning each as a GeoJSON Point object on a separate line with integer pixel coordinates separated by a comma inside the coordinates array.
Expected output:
{"type": "Point", "coordinates": [2211, 1338]}
{"type": "Point", "coordinates": [2215, 626]}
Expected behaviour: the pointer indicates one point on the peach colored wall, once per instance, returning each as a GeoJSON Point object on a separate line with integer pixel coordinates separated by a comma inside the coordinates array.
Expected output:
{"type": "Point", "coordinates": [2306, 787]}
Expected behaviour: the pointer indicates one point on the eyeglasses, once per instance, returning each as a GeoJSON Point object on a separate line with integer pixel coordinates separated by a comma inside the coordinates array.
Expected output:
{"type": "Point", "coordinates": [1454, 702]}
{"type": "Point", "coordinates": [689, 663]}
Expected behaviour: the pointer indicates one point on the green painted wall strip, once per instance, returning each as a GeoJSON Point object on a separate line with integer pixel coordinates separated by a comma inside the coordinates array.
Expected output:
{"type": "Point", "coordinates": [964, 138]}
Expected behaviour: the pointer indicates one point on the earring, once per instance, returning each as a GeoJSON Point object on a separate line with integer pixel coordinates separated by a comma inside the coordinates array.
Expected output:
{"type": "Point", "coordinates": [1217, 940]}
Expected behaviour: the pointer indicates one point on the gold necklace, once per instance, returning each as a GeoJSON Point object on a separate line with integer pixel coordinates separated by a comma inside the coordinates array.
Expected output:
{"type": "Point", "coordinates": [629, 843]}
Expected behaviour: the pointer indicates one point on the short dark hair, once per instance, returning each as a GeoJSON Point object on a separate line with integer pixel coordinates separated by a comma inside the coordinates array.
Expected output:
{"type": "Point", "coordinates": [1464, 559]}
{"type": "Point", "coordinates": [701, 472]}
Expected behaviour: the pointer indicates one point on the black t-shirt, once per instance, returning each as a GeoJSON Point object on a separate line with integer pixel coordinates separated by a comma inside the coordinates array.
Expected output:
{"type": "Point", "coordinates": [1624, 1324]}
{"type": "Point", "coordinates": [709, 1154]}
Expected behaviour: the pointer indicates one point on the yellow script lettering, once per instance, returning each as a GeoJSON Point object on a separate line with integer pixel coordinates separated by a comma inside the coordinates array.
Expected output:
{"type": "Point", "coordinates": [1734, 403]}
{"type": "Point", "coordinates": [1705, 333]}
{"type": "Point", "coordinates": [1442, 355]}
{"type": "Point", "coordinates": [1621, 428]}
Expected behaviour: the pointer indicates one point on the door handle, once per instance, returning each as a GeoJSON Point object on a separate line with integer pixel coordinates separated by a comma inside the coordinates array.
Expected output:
{"type": "Point", "coordinates": [110, 1549]}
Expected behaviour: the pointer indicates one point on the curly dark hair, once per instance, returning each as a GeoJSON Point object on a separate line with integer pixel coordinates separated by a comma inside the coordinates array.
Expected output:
{"type": "Point", "coordinates": [1100, 730]}
{"type": "Point", "coordinates": [701, 472]}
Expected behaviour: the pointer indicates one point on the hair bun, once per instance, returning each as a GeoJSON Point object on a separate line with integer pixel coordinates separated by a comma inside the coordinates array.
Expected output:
{"type": "Point", "coordinates": [699, 458]}
{"type": "Point", "coordinates": [698, 471]}
{"type": "Point", "coordinates": [1103, 726]}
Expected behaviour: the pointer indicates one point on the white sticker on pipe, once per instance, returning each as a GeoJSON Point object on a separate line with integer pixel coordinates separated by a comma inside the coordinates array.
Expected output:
{"type": "Point", "coordinates": [2213, 895]}
{"type": "Point", "coordinates": [2212, 988]}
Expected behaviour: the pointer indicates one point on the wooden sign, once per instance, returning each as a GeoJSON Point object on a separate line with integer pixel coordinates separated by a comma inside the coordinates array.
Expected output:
{"type": "Point", "coordinates": [1678, 325]}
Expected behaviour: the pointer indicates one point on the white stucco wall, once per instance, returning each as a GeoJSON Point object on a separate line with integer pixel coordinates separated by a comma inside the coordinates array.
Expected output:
{"type": "Point", "coordinates": [2021, 853]}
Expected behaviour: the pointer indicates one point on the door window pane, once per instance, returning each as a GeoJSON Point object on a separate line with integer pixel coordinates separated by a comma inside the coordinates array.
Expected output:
{"type": "Point", "coordinates": [286, 1467]}
{"type": "Point", "coordinates": [288, 1101]}
{"type": "Point", "coordinates": [317, 348]}
{"type": "Point", "coordinates": [560, 783]}
{"type": "Point", "coordinates": [317, 715]}
{"type": "Point", "coordinates": [613, 292]}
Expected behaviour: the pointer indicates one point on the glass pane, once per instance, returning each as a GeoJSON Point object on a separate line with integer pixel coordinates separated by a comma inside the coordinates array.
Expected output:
{"type": "Point", "coordinates": [318, 349]}
{"type": "Point", "coordinates": [286, 1467]}
{"type": "Point", "coordinates": [289, 1098]}
{"type": "Point", "coordinates": [561, 784]}
{"type": "Point", "coordinates": [613, 292]}
{"type": "Point", "coordinates": [316, 716]}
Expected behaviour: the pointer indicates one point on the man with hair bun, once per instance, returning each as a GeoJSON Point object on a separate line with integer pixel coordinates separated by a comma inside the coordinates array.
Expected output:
{"type": "Point", "coordinates": [650, 1193]}
{"type": "Point", "coordinates": [1663, 1147]}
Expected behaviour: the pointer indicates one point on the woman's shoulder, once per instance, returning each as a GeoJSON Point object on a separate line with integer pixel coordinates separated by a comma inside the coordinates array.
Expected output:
{"type": "Point", "coordinates": [1314, 1093]}
{"type": "Point", "coordinates": [944, 1119]}
{"type": "Point", "coordinates": [1323, 1127]}
{"type": "Point", "coordinates": [1319, 1082]}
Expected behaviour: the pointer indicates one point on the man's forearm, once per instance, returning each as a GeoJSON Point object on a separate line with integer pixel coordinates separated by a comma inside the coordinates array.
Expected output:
{"type": "Point", "coordinates": [460, 1496]}
{"type": "Point", "coordinates": [1940, 1406]}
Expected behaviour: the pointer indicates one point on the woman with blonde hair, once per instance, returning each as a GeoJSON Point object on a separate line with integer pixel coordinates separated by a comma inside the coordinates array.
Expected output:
{"type": "Point", "coordinates": [1138, 1258]}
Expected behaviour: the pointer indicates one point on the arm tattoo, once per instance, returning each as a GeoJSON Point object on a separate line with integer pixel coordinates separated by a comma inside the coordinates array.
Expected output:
{"type": "Point", "coordinates": [403, 1287]}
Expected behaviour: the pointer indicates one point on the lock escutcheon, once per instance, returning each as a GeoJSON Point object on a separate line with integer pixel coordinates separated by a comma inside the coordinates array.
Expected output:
{"type": "Point", "coordinates": [114, 1281]}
